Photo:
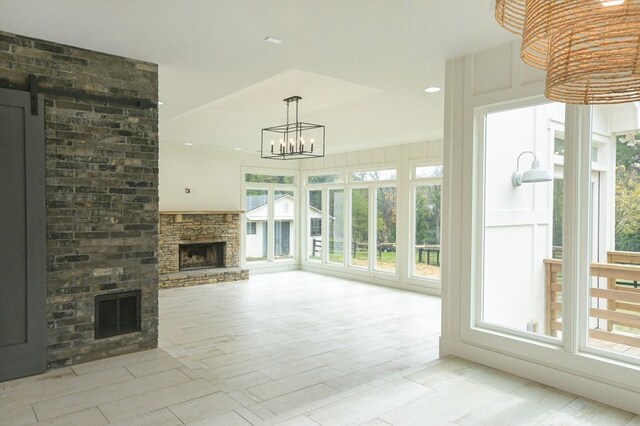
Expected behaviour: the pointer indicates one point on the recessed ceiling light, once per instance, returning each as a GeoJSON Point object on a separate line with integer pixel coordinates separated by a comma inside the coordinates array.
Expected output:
{"type": "Point", "coordinates": [273, 40]}
{"type": "Point", "coordinates": [237, 149]}
{"type": "Point", "coordinates": [160, 103]}
{"type": "Point", "coordinates": [432, 89]}
{"type": "Point", "coordinates": [188, 144]}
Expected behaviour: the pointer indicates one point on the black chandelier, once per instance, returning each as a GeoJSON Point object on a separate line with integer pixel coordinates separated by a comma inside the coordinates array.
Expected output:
{"type": "Point", "coordinates": [293, 141]}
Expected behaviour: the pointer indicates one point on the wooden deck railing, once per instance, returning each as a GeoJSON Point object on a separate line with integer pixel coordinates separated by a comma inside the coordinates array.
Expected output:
{"type": "Point", "coordinates": [622, 295]}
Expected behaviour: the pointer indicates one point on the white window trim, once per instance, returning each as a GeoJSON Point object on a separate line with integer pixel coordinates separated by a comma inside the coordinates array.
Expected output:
{"type": "Point", "coordinates": [571, 355]}
{"type": "Point", "coordinates": [477, 330]}
{"type": "Point", "coordinates": [414, 183]}
{"type": "Point", "coordinates": [348, 185]}
{"type": "Point", "coordinates": [271, 188]}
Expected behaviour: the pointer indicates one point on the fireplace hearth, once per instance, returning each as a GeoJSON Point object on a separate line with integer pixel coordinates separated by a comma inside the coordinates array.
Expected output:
{"type": "Point", "coordinates": [201, 255]}
{"type": "Point", "coordinates": [197, 248]}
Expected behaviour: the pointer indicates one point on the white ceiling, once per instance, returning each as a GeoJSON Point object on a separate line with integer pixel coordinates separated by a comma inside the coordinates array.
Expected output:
{"type": "Point", "coordinates": [360, 65]}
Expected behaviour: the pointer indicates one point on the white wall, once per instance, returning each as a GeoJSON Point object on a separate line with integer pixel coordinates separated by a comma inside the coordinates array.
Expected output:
{"type": "Point", "coordinates": [397, 156]}
{"type": "Point", "coordinates": [214, 177]}
{"type": "Point", "coordinates": [498, 77]}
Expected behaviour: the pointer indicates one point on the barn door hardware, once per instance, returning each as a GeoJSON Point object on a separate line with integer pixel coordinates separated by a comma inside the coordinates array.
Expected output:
{"type": "Point", "coordinates": [33, 86]}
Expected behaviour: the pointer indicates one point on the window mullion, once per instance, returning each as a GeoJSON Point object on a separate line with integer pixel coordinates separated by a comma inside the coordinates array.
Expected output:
{"type": "Point", "coordinates": [348, 237]}
{"type": "Point", "coordinates": [575, 268]}
{"type": "Point", "coordinates": [271, 224]}
{"type": "Point", "coordinates": [373, 227]}
{"type": "Point", "coordinates": [324, 230]}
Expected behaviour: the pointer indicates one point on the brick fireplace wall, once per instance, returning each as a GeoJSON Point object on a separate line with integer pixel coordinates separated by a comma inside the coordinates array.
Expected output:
{"type": "Point", "coordinates": [102, 191]}
{"type": "Point", "coordinates": [193, 227]}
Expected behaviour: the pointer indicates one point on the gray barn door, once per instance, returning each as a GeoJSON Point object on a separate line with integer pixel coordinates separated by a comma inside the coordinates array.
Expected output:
{"type": "Point", "coordinates": [22, 237]}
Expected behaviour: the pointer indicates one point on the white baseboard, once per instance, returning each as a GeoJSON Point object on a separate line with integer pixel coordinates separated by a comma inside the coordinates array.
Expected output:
{"type": "Point", "coordinates": [593, 389]}
{"type": "Point", "coordinates": [273, 267]}
{"type": "Point", "coordinates": [369, 278]}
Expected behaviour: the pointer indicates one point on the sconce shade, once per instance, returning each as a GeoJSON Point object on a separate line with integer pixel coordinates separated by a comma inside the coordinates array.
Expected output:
{"type": "Point", "coordinates": [536, 174]}
{"type": "Point", "coordinates": [533, 175]}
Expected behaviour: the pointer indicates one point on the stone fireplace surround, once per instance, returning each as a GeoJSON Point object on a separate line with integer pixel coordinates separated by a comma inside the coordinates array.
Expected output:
{"type": "Point", "coordinates": [181, 228]}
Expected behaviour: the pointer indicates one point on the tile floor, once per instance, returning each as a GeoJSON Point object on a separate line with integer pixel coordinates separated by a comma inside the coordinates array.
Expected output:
{"type": "Point", "coordinates": [293, 348]}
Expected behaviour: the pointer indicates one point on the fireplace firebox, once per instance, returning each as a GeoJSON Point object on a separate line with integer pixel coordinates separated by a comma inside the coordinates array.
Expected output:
{"type": "Point", "coordinates": [201, 255]}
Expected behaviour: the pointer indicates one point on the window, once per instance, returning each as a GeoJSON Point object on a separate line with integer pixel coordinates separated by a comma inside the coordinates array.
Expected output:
{"type": "Point", "coordinates": [251, 228]}
{"type": "Point", "coordinates": [522, 225]}
{"type": "Point", "coordinates": [316, 227]}
{"type": "Point", "coordinates": [284, 220]}
{"type": "Point", "coordinates": [386, 248]}
{"type": "Point", "coordinates": [427, 204]}
{"type": "Point", "coordinates": [373, 175]}
{"type": "Point", "coordinates": [612, 315]}
{"type": "Point", "coordinates": [257, 208]}
{"type": "Point", "coordinates": [428, 171]}
{"type": "Point", "coordinates": [336, 226]}
{"type": "Point", "coordinates": [270, 206]}
{"type": "Point", "coordinates": [558, 148]}
{"type": "Point", "coordinates": [360, 228]}
{"type": "Point", "coordinates": [558, 208]}
{"type": "Point", "coordinates": [558, 145]}
{"type": "Point", "coordinates": [331, 178]}
{"type": "Point", "coordinates": [427, 197]}
{"type": "Point", "coordinates": [314, 213]}
{"type": "Point", "coordinates": [354, 223]}
{"type": "Point", "coordinates": [258, 178]}
{"type": "Point", "coordinates": [523, 283]}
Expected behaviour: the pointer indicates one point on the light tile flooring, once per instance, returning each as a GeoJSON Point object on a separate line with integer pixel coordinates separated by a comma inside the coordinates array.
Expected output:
{"type": "Point", "coordinates": [293, 348]}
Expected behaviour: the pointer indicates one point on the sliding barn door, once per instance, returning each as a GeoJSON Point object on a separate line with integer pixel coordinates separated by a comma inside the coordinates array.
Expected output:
{"type": "Point", "coordinates": [22, 237]}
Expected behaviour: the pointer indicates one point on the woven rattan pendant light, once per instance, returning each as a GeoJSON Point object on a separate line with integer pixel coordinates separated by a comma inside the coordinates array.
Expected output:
{"type": "Point", "coordinates": [510, 15]}
{"type": "Point", "coordinates": [590, 48]}
{"type": "Point", "coordinates": [596, 64]}
{"type": "Point", "coordinates": [531, 20]}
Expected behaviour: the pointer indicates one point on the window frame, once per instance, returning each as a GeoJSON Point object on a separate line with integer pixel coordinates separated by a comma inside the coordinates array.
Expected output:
{"type": "Point", "coordinates": [479, 331]}
{"type": "Point", "coordinates": [271, 261]}
{"type": "Point", "coordinates": [254, 227]}
{"type": "Point", "coordinates": [414, 183]}
{"type": "Point", "coordinates": [578, 169]}
{"type": "Point", "coordinates": [315, 225]}
{"type": "Point", "coordinates": [324, 188]}
{"type": "Point", "coordinates": [347, 186]}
